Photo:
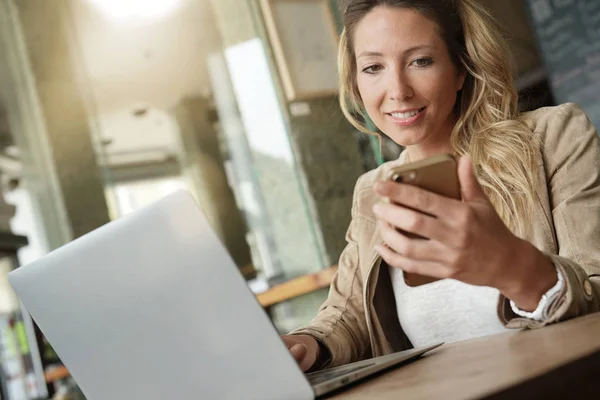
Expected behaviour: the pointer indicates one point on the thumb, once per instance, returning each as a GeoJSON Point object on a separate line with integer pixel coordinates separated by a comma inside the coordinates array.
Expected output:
{"type": "Point", "coordinates": [298, 351]}
{"type": "Point", "coordinates": [470, 188]}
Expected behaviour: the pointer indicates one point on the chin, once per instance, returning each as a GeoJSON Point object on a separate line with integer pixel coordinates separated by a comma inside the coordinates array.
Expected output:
{"type": "Point", "coordinates": [405, 139]}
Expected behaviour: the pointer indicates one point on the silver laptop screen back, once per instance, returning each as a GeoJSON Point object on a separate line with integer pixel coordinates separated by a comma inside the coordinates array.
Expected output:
{"type": "Point", "coordinates": [152, 307]}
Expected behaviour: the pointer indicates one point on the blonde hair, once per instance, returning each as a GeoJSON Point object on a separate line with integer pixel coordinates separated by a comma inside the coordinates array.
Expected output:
{"type": "Point", "coordinates": [502, 148]}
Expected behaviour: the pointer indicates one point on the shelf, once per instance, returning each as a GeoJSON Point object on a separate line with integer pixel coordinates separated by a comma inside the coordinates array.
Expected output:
{"type": "Point", "coordinates": [56, 373]}
{"type": "Point", "coordinates": [297, 287]}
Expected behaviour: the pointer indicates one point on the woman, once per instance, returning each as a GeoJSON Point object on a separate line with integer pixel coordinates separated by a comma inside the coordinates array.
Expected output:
{"type": "Point", "coordinates": [521, 248]}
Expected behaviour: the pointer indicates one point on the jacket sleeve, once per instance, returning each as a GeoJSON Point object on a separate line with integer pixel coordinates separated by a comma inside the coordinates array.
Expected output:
{"type": "Point", "coordinates": [572, 164]}
{"type": "Point", "coordinates": [340, 324]}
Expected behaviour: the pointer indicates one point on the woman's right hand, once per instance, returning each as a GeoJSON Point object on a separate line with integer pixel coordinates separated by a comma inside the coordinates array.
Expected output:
{"type": "Point", "coordinates": [304, 348]}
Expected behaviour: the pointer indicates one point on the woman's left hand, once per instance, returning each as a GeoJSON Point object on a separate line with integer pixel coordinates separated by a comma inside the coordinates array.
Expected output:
{"type": "Point", "coordinates": [468, 241]}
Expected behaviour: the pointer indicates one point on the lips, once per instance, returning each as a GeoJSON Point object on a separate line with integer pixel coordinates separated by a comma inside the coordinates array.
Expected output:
{"type": "Point", "coordinates": [406, 114]}
{"type": "Point", "coordinates": [407, 118]}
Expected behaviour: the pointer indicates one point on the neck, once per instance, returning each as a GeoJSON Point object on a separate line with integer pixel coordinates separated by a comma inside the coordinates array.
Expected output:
{"type": "Point", "coordinates": [419, 152]}
{"type": "Point", "coordinates": [433, 145]}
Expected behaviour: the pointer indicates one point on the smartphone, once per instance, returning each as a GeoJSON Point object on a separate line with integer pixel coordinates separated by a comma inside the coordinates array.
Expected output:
{"type": "Point", "coordinates": [436, 174]}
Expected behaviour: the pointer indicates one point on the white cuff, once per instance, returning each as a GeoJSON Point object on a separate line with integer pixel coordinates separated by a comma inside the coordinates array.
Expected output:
{"type": "Point", "coordinates": [547, 298]}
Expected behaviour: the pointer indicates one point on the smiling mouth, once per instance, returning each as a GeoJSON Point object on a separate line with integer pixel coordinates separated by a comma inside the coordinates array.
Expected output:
{"type": "Point", "coordinates": [406, 115]}
{"type": "Point", "coordinates": [407, 118]}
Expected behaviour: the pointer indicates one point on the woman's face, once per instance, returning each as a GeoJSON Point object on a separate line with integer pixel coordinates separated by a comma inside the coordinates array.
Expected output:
{"type": "Point", "coordinates": [406, 78]}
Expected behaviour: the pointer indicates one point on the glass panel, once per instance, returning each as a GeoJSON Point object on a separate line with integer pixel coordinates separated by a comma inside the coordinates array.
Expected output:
{"type": "Point", "coordinates": [168, 102]}
{"type": "Point", "coordinates": [284, 218]}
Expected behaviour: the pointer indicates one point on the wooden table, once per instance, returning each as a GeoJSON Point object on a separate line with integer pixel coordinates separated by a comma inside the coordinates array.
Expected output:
{"type": "Point", "coordinates": [558, 361]}
{"type": "Point", "coordinates": [297, 287]}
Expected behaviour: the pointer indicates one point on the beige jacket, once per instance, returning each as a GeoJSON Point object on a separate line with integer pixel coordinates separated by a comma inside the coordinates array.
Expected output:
{"type": "Point", "coordinates": [359, 318]}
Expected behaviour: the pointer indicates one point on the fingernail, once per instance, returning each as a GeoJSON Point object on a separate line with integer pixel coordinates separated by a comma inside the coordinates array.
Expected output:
{"type": "Point", "coordinates": [296, 347]}
{"type": "Point", "coordinates": [298, 351]}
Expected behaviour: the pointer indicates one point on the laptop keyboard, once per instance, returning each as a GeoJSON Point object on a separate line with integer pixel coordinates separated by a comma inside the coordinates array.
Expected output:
{"type": "Point", "coordinates": [325, 375]}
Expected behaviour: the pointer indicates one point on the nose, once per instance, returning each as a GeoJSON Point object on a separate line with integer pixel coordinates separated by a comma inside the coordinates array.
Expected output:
{"type": "Point", "coordinates": [399, 87]}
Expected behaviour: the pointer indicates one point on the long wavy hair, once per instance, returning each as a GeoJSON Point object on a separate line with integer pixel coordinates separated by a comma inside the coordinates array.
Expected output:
{"type": "Point", "coordinates": [487, 128]}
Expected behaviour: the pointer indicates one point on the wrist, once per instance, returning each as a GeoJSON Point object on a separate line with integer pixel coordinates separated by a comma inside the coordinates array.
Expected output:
{"type": "Point", "coordinates": [312, 345]}
{"type": "Point", "coordinates": [534, 274]}
{"type": "Point", "coordinates": [323, 358]}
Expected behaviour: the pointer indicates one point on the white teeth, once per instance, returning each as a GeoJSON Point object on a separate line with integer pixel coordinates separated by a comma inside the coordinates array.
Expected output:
{"type": "Point", "coordinates": [405, 115]}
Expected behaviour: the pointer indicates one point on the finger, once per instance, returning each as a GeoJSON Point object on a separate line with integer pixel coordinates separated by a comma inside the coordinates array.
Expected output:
{"type": "Point", "coordinates": [298, 351]}
{"type": "Point", "coordinates": [413, 221]}
{"type": "Point", "coordinates": [417, 198]}
{"type": "Point", "coordinates": [289, 342]}
{"type": "Point", "coordinates": [413, 248]}
{"type": "Point", "coordinates": [425, 268]}
{"type": "Point", "coordinates": [470, 188]}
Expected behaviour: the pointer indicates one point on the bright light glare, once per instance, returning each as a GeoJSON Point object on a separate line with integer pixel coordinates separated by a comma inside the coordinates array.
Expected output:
{"type": "Point", "coordinates": [136, 9]}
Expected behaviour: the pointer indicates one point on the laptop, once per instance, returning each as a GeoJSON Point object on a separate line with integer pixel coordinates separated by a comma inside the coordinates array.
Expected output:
{"type": "Point", "coordinates": [151, 306]}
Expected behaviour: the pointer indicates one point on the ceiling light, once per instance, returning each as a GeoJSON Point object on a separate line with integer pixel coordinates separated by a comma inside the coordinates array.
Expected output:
{"type": "Point", "coordinates": [136, 9]}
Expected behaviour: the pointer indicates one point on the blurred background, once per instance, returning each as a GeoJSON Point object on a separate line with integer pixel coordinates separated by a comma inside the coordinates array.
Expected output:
{"type": "Point", "coordinates": [108, 105]}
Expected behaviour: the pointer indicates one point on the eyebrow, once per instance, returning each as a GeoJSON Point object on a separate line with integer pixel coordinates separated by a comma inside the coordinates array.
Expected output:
{"type": "Point", "coordinates": [409, 50]}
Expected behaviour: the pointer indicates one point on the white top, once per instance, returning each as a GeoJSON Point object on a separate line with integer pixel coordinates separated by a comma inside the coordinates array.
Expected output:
{"type": "Point", "coordinates": [445, 311]}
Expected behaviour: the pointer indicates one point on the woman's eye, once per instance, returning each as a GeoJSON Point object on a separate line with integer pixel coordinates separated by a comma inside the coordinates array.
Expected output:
{"type": "Point", "coordinates": [422, 62]}
{"type": "Point", "coordinates": [371, 69]}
